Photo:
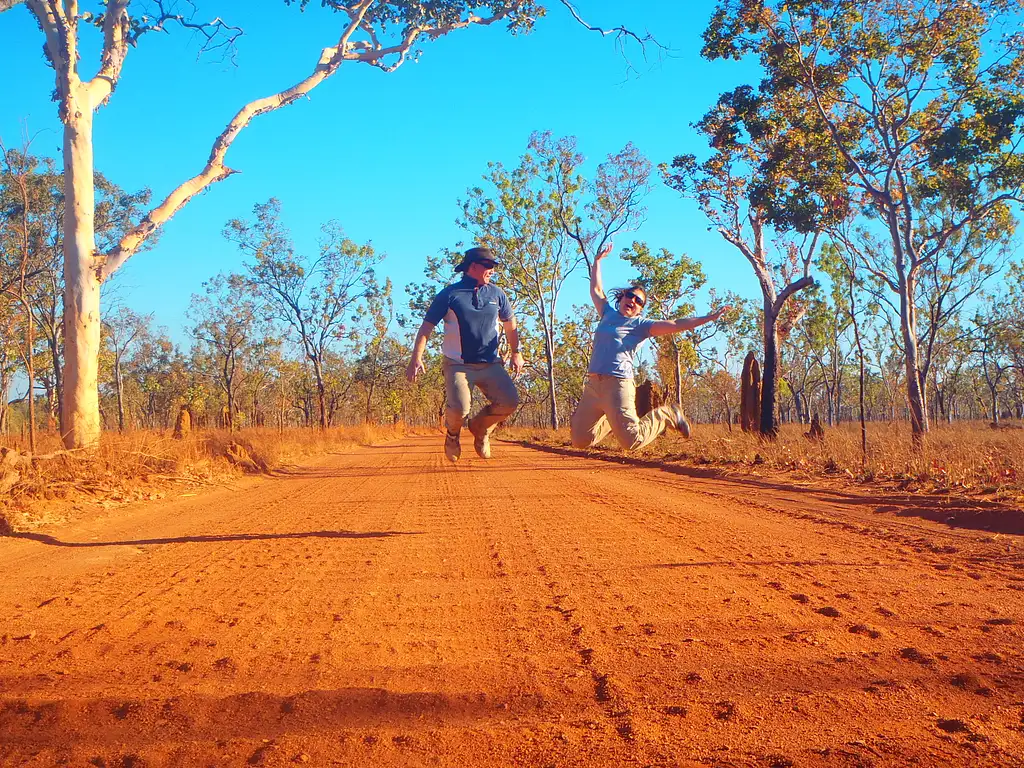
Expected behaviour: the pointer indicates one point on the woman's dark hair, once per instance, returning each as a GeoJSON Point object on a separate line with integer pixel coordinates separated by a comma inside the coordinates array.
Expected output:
{"type": "Point", "coordinates": [618, 292]}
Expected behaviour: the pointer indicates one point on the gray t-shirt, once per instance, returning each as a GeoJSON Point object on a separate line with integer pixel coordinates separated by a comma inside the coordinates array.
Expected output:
{"type": "Point", "coordinates": [615, 341]}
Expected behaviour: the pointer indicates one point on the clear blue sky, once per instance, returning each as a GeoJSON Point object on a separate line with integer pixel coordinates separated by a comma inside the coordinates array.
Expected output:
{"type": "Point", "coordinates": [388, 155]}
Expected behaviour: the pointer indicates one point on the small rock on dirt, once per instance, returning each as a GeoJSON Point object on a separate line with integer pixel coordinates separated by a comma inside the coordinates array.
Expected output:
{"type": "Point", "coordinates": [953, 726]}
{"type": "Point", "coordinates": [913, 654]}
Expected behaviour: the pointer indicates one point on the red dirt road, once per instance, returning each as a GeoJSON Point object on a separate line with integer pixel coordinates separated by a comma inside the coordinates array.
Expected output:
{"type": "Point", "coordinates": [384, 608]}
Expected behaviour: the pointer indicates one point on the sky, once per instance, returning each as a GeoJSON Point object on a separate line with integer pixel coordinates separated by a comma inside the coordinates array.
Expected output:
{"type": "Point", "coordinates": [387, 155]}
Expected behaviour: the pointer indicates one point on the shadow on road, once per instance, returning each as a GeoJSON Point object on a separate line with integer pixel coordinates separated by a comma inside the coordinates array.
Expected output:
{"type": "Point", "coordinates": [42, 538]}
{"type": "Point", "coordinates": [248, 715]}
{"type": "Point", "coordinates": [973, 514]}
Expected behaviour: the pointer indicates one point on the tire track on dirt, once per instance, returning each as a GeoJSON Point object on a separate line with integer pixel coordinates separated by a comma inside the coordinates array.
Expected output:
{"type": "Point", "coordinates": [891, 551]}
{"type": "Point", "coordinates": [155, 611]}
{"type": "Point", "coordinates": [101, 586]}
{"type": "Point", "coordinates": [166, 558]}
{"type": "Point", "coordinates": [800, 619]}
{"type": "Point", "coordinates": [531, 610]}
{"type": "Point", "coordinates": [538, 556]}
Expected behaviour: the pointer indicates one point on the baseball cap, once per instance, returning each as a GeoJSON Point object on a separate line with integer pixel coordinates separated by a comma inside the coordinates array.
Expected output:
{"type": "Point", "coordinates": [480, 254]}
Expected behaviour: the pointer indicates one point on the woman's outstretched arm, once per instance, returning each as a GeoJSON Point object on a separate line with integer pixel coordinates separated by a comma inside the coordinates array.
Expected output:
{"type": "Point", "coordinates": [596, 289]}
{"type": "Point", "coordinates": [666, 327]}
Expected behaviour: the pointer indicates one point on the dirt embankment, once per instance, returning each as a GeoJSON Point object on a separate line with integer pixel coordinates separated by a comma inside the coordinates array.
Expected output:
{"type": "Point", "coordinates": [386, 608]}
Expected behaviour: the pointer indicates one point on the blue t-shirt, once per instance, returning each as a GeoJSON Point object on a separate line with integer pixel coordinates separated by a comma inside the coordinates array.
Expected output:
{"type": "Point", "coordinates": [615, 341]}
{"type": "Point", "coordinates": [472, 314]}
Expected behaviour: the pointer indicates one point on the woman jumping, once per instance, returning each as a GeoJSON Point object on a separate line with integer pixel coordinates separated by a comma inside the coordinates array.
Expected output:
{"type": "Point", "coordinates": [609, 397]}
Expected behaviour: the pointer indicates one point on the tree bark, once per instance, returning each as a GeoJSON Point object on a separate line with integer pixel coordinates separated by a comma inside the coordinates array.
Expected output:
{"type": "Point", "coordinates": [770, 373]}
{"type": "Point", "coordinates": [30, 372]}
{"type": "Point", "coordinates": [750, 394]}
{"type": "Point", "coordinates": [915, 392]}
{"type": "Point", "coordinates": [58, 374]}
{"type": "Point", "coordinates": [679, 374]}
{"type": "Point", "coordinates": [369, 395]}
{"type": "Point", "coordinates": [80, 419]}
{"type": "Point", "coordinates": [321, 394]}
{"type": "Point", "coordinates": [119, 386]}
{"type": "Point", "coordinates": [861, 373]}
{"type": "Point", "coordinates": [550, 361]}
{"type": "Point", "coordinates": [5, 386]}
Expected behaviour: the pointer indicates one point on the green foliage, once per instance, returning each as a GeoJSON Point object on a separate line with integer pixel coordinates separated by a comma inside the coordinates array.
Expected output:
{"type": "Point", "coordinates": [572, 353]}
{"type": "Point", "coordinates": [319, 301]}
{"type": "Point", "coordinates": [438, 272]}
{"type": "Point", "coordinates": [231, 335]}
{"type": "Point", "coordinates": [911, 111]}
{"type": "Point", "coordinates": [543, 219]}
{"type": "Point", "coordinates": [671, 283]}
{"type": "Point", "coordinates": [900, 91]}
{"type": "Point", "coordinates": [426, 14]}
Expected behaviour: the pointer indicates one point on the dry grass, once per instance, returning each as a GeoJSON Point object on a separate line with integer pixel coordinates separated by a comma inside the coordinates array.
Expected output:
{"type": "Point", "coordinates": [143, 465]}
{"type": "Point", "coordinates": [968, 459]}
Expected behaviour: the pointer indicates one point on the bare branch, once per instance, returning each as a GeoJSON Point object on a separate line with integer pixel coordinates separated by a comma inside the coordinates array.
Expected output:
{"type": "Point", "coordinates": [622, 34]}
{"type": "Point", "coordinates": [216, 33]}
{"type": "Point", "coordinates": [216, 170]}
{"type": "Point", "coordinates": [48, 21]}
{"type": "Point", "coordinates": [371, 52]}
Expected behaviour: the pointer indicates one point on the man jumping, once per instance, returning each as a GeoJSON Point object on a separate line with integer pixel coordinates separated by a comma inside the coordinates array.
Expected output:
{"type": "Point", "coordinates": [472, 309]}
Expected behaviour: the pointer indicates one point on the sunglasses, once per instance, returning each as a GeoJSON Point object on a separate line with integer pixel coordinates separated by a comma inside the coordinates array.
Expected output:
{"type": "Point", "coordinates": [630, 295]}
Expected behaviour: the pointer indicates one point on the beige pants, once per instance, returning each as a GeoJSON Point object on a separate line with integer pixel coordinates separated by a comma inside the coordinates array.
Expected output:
{"type": "Point", "coordinates": [490, 378]}
{"type": "Point", "coordinates": [609, 405]}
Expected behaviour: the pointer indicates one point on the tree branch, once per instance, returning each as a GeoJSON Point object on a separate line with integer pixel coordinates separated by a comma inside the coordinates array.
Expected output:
{"type": "Point", "coordinates": [622, 34]}
{"type": "Point", "coordinates": [215, 169]}
{"type": "Point", "coordinates": [218, 34]}
{"type": "Point", "coordinates": [116, 31]}
{"type": "Point", "coordinates": [47, 20]}
{"type": "Point", "coordinates": [789, 290]}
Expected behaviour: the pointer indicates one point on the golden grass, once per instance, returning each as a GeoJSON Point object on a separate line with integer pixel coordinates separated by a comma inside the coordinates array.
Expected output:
{"type": "Point", "coordinates": [139, 465]}
{"type": "Point", "coordinates": [967, 458]}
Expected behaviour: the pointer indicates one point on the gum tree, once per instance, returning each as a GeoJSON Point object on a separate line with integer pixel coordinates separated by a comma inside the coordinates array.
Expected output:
{"type": "Point", "coordinates": [311, 297]}
{"type": "Point", "coordinates": [227, 327]}
{"type": "Point", "coordinates": [922, 99]}
{"type": "Point", "coordinates": [377, 33]}
{"type": "Point", "coordinates": [124, 330]}
{"type": "Point", "coordinates": [115, 211]}
{"type": "Point", "coordinates": [768, 188]}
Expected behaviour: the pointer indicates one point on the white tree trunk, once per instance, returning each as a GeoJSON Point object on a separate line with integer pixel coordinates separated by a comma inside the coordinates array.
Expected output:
{"type": "Point", "coordinates": [915, 390]}
{"type": "Point", "coordinates": [84, 269]}
{"type": "Point", "coordinates": [81, 407]}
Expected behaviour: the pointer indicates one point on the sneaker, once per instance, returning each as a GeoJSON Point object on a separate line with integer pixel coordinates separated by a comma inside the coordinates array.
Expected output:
{"type": "Point", "coordinates": [481, 442]}
{"type": "Point", "coordinates": [452, 448]}
{"type": "Point", "coordinates": [677, 420]}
